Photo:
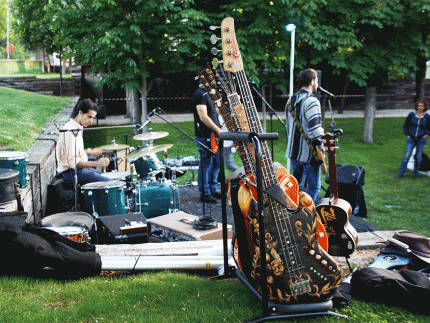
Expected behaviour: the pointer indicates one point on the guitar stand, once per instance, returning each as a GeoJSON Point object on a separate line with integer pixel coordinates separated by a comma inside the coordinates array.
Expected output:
{"type": "Point", "coordinates": [271, 310]}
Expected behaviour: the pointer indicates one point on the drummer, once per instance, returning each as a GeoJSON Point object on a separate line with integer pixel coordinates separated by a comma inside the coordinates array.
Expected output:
{"type": "Point", "coordinates": [71, 140]}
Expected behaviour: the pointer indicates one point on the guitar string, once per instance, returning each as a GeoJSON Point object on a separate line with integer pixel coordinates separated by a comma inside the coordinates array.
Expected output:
{"type": "Point", "coordinates": [283, 224]}
{"type": "Point", "coordinates": [229, 88]}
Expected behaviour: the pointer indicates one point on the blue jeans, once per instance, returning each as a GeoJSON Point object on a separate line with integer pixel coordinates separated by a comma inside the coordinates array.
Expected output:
{"type": "Point", "coordinates": [85, 175]}
{"type": "Point", "coordinates": [312, 174]}
{"type": "Point", "coordinates": [209, 168]}
{"type": "Point", "coordinates": [410, 145]}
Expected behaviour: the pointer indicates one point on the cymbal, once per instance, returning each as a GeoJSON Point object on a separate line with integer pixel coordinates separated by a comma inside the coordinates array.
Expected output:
{"type": "Point", "coordinates": [147, 151]}
{"type": "Point", "coordinates": [114, 147]}
{"type": "Point", "coordinates": [151, 135]}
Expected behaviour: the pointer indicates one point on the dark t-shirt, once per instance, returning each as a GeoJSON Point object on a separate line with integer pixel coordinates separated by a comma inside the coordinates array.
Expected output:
{"type": "Point", "coordinates": [202, 98]}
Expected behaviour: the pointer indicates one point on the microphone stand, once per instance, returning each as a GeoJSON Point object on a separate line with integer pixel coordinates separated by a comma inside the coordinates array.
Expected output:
{"type": "Point", "coordinates": [75, 132]}
{"type": "Point", "coordinates": [271, 114]}
{"type": "Point", "coordinates": [193, 139]}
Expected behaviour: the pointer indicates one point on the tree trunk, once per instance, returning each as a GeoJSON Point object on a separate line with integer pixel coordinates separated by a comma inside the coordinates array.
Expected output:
{"type": "Point", "coordinates": [345, 91]}
{"type": "Point", "coordinates": [43, 60]}
{"type": "Point", "coordinates": [133, 101]}
{"type": "Point", "coordinates": [369, 113]}
{"type": "Point", "coordinates": [420, 78]}
{"type": "Point", "coordinates": [144, 90]}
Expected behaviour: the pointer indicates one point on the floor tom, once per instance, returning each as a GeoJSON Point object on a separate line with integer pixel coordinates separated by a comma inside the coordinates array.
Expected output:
{"type": "Point", "coordinates": [155, 199]}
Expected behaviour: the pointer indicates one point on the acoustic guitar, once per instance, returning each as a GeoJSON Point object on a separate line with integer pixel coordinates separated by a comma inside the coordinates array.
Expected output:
{"type": "Point", "coordinates": [335, 212]}
{"type": "Point", "coordinates": [298, 269]}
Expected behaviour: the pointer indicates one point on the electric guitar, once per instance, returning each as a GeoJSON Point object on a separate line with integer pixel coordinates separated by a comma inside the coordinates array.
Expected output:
{"type": "Point", "coordinates": [298, 269]}
{"type": "Point", "coordinates": [335, 212]}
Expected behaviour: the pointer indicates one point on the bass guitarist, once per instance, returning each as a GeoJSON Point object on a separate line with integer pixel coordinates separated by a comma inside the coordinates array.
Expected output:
{"type": "Point", "coordinates": [302, 143]}
{"type": "Point", "coordinates": [205, 123]}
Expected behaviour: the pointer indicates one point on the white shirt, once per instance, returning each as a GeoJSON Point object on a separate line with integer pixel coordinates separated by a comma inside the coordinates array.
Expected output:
{"type": "Point", "coordinates": [70, 149]}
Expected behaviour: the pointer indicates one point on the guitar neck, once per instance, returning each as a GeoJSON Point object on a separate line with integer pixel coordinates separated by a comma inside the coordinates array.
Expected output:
{"type": "Point", "coordinates": [330, 143]}
{"type": "Point", "coordinates": [269, 174]}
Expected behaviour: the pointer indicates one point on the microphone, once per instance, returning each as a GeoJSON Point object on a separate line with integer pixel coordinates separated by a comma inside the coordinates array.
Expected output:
{"type": "Point", "coordinates": [140, 127]}
{"type": "Point", "coordinates": [326, 92]}
{"type": "Point", "coordinates": [337, 132]}
{"type": "Point", "coordinates": [152, 112]}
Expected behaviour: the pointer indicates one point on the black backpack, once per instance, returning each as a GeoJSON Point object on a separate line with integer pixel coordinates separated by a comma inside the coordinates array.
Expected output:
{"type": "Point", "coordinates": [406, 288]}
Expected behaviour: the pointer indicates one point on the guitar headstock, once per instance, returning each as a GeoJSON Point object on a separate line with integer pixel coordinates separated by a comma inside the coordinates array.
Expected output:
{"type": "Point", "coordinates": [329, 141]}
{"type": "Point", "coordinates": [208, 82]}
{"type": "Point", "coordinates": [231, 54]}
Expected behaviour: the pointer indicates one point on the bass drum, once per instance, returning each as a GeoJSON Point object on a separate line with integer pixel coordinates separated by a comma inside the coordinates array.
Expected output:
{"type": "Point", "coordinates": [155, 199]}
{"type": "Point", "coordinates": [104, 198]}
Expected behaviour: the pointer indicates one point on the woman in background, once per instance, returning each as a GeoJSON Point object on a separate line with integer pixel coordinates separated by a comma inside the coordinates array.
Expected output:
{"type": "Point", "coordinates": [417, 129]}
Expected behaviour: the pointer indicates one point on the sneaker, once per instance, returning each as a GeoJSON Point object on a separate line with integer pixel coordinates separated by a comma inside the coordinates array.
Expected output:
{"type": "Point", "coordinates": [399, 176]}
{"type": "Point", "coordinates": [208, 199]}
{"type": "Point", "coordinates": [415, 176]}
{"type": "Point", "coordinates": [217, 195]}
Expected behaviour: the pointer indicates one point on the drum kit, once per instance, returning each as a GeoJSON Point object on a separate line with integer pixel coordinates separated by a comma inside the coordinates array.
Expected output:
{"type": "Point", "coordinates": [144, 189]}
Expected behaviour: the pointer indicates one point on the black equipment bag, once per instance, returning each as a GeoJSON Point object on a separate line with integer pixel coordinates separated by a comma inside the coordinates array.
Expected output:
{"type": "Point", "coordinates": [406, 288]}
{"type": "Point", "coordinates": [26, 249]}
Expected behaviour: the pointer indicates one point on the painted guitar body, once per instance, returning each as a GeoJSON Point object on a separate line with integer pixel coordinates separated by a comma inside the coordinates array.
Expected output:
{"type": "Point", "coordinates": [318, 273]}
{"type": "Point", "coordinates": [342, 237]}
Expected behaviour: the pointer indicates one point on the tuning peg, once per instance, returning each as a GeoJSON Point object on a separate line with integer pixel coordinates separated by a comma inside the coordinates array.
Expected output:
{"type": "Point", "coordinates": [215, 51]}
{"type": "Point", "coordinates": [214, 39]}
{"type": "Point", "coordinates": [214, 27]}
{"type": "Point", "coordinates": [216, 62]}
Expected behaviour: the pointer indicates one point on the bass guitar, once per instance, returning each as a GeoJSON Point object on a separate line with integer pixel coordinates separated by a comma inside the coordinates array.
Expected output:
{"type": "Point", "coordinates": [223, 93]}
{"type": "Point", "coordinates": [298, 269]}
{"type": "Point", "coordinates": [335, 212]}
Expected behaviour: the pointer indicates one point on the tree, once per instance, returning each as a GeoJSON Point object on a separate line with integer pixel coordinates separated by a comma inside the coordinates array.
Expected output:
{"type": "Point", "coordinates": [132, 42]}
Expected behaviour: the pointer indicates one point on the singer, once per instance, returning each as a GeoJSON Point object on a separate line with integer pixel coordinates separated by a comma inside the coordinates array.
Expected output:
{"type": "Point", "coordinates": [307, 112]}
{"type": "Point", "coordinates": [70, 151]}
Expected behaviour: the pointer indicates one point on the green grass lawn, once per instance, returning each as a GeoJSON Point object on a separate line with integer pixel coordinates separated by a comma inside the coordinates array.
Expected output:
{"type": "Point", "coordinates": [190, 297]}
{"type": "Point", "coordinates": [24, 115]}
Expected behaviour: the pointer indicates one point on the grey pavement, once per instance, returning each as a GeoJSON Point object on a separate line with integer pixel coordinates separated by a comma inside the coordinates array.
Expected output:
{"type": "Point", "coordinates": [182, 117]}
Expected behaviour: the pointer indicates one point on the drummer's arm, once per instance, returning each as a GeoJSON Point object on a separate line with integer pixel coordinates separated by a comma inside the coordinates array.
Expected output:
{"type": "Point", "coordinates": [102, 162]}
{"type": "Point", "coordinates": [94, 151]}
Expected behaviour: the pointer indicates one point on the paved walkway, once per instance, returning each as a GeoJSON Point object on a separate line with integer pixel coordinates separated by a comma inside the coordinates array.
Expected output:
{"type": "Point", "coordinates": [182, 117]}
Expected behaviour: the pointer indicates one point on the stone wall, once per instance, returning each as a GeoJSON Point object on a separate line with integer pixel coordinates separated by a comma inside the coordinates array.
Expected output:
{"type": "Point", "coordinates": [41, 167]}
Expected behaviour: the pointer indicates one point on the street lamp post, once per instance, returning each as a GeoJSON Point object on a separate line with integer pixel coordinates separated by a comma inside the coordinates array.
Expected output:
{"type": "Point", "coordinates": [292, 29]}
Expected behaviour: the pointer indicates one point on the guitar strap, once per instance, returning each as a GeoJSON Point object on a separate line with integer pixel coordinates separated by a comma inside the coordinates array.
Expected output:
{"type": "Point", "coordinates": [290, 108]}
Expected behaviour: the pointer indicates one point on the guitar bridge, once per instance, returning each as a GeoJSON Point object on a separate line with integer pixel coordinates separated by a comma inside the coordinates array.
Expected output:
{"type": "Point", "coordinates": [300, 288]}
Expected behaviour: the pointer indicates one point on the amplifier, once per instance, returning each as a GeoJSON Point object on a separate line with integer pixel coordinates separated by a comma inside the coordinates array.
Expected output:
{"type": "Point", "coordinates": [178, 226]}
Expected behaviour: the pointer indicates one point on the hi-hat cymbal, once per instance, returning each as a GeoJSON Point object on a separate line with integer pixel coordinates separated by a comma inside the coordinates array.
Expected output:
{"type": "Point", "coordinates": [114, 147]}
{"type": "Point", "coordinates": [151, 135]}
{"type": "Point", "coordinates": [147, 151]}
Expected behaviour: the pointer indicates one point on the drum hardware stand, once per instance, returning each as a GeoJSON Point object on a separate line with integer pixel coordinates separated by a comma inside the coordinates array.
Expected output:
{"type": "Point", "coordinates": [271, 310]}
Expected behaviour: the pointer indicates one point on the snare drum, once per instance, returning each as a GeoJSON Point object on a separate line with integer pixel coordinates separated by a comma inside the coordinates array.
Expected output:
{"type": "Point", "coordinates": [15, 160]}
{"type": "Point", "coordinates": [118, 176]}
{"type": "Point", "coordinates": [154, 199]}
{"type": "Point", "coordinates": [104, 198]}
{"type": "Point", "coordinates": [74, 233]}
{"type": "Point", "coordinates": [146, 165]}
